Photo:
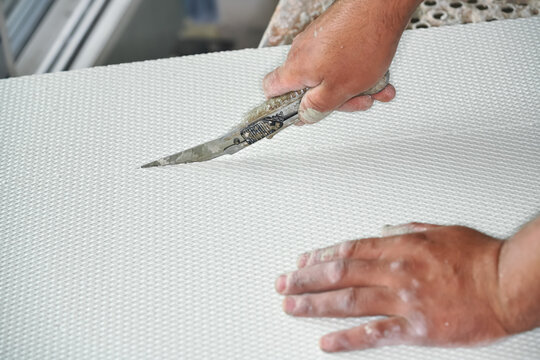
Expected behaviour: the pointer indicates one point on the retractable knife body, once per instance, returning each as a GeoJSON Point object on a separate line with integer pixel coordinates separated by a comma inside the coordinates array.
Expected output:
{"type": "Point", "coordinates": [264, 121]}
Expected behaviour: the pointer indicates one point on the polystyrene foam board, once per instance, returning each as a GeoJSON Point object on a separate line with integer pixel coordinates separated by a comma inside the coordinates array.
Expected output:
{"type": "Point", "coordinates": [100, 259]}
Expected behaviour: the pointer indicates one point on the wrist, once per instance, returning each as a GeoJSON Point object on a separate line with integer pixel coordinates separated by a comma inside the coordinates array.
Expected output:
{"type": "Point", "coordinates": [401, 10]}
{"type": "Point", "coordinates": [518, 277]}
{"type": "Point", "coordinates": [394, 15]}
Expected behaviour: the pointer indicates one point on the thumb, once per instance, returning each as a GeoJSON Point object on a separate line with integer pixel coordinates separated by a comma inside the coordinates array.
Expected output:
{"type": "Point", "coordinates": [319, 102]}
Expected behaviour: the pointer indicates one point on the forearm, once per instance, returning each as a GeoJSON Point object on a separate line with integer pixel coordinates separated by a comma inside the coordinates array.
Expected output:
{"type": "Point", "coordinates": [392, 15]}
{"type": "Point", "coordinates": [519, 279]}
{"type": "Point", "coordinates": [382, 24]}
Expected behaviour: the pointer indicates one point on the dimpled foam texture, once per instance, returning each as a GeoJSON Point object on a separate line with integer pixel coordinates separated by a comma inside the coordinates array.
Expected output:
{"type": "Point", "coordinates": [100, 259]}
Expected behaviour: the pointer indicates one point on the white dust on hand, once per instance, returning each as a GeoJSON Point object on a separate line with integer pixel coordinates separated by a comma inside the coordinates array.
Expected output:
{"type": "Point", "coordinates": [396, 230]}
{"type": "Point", "coordinates": [396, 265]}
{"type": "Point", "coordinates": [312, 116]}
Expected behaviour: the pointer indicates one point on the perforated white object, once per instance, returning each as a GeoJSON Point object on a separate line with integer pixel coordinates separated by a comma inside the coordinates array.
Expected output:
{"type": "Point", "coordinates": [102, 260]}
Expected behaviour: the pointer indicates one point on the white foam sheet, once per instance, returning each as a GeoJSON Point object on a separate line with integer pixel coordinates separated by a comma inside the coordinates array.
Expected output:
{"type": "Point", "coordinates": [102, 260]}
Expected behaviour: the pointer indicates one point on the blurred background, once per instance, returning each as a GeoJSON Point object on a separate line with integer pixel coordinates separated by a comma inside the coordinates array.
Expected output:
{"type": "Point", "coordinates": [39, 36]}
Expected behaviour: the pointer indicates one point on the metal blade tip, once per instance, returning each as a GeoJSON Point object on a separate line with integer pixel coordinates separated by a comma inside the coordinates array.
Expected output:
{"type": "Point", "coordinates": [152, 164]}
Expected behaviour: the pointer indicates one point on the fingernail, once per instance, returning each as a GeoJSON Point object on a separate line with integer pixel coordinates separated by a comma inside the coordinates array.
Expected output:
{"type": "Point", "coordinates": [313, 257]}
{"type": "Point", "coordinates": [395, 230]}
{"type": "Point", "coordinates": [328, 344]}
{"type": "Point", "coordinates": [281, 282]}
{"type": "Point", "coordinates": [327, 254]}
{"type": "Point", "coordinates": [302, 260]}
{"type": "Point", "coordinates": [289, 304]}
{"type": "Point", "coordinates": [312, 116]}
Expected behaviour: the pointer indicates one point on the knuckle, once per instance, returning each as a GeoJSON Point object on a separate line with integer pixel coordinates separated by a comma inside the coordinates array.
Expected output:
{"type": "Point", "coordinates": [347, 249]}
{"type": "Point", "coordinates": [316, 102]}
{"type": "Point", "coordinates": [337, 271]}
{"type": "Point", "coordinates": [406, 267]}
{"type": "Point", "coordinates": [295, 282]}
{"type": "Point", "coordinates": [344, 341]}
{"type": "Point", "coordinates": [311, 258]}
{"type": "Point", "coordinates": [295, 57]}
{"type": "Point", "coordinates": [414, 239]}
{"type": "Point", "coordinates": [402, 240]}
{"type": "Point", "coordinates": [302, 260]}
{"type": "Point", "coordinates": [304, 307]}
{"type": "Point", "coordinates": [372, 332]}
{"type": "Point", "coordinates": [397, 265]}
{"type": "Point", "coordinates": [364, 103]}
{"type": "Point", "coordinates": [328, 254]}
{"type": "Point", "coordinates": [295, 45]}
{"type": "Point", "coordinates": [275, 77]}
{"type": "Point", "coordinates": [370, 244]}
{"type": "Point", "coordinates": [270, 80]}
{"type": "Point", "coordinates": [350, 298]}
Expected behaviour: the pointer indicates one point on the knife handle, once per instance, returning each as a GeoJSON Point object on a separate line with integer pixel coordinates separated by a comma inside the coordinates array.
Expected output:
{"type": "Point", "coordinates": [290, 103]}
{"type": "Point", "coordinates": [284, 99]}
{"type": "Point", "coordinates": [280, 112]}
{"type": "Point", "coordinates": [379, 86]}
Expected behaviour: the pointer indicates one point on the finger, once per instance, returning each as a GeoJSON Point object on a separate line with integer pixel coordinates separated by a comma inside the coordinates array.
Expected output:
{"type": "Point", "coordinates": [403, 229]}
{"type": "Point", "coordinates": [364, 102]}
{"type": "Point", "coordinates": [335, 275]}
{"type": "Point", "coordinates": [358, 103]}
{"type": "Point", "coordinates": [391, 331]}
{"type": "Point", "coordinates": [385, 95]}
{"type": "Point", "coordinates": [319, 102]}
{"type": "Point", "coordinates": [350, 302]}
{"type": "Point", "coordinates": [281, 81]}
{"type": "Point", "coordinates": [366, 249]}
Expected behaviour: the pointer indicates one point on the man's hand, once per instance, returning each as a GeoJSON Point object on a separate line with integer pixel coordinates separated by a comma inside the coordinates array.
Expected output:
{"type": "Point", "coordinates": [343, 53]}
{"type": "Point", "coordinates": [437, 285]}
